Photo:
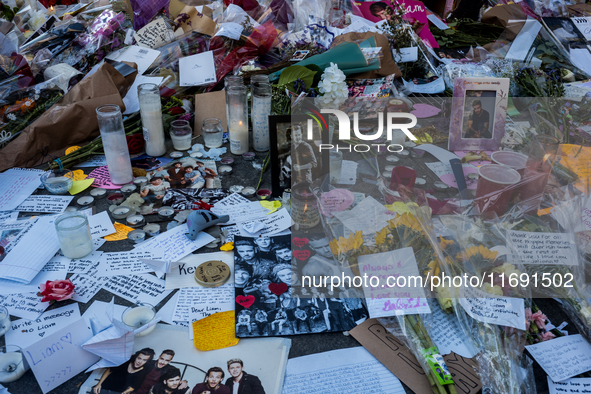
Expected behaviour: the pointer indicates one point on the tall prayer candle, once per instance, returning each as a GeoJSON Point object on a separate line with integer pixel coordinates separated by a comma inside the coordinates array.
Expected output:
{"type": "Point", "coordinates": [237, 119]}
{"type": "Point", "coordinates": [261, 109]}
{"type": "Point", "coordinates": [114, 143]}
{"type": "Point", "coordinates": [151, 111]}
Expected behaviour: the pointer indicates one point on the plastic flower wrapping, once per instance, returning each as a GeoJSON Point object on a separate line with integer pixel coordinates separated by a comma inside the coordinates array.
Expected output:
{"type": "Point", "coordinates": [490, 308]}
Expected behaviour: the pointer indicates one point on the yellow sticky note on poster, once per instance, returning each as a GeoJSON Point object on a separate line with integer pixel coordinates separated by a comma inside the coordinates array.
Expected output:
{"type": "Point", "coordinates": [214, 332]}
{"type": "Point", "coordinates": [272, 205]}
{"type": "Point", "coordinates": [82, 185]}
{"type": "Point", "coordinates": [121, 232]}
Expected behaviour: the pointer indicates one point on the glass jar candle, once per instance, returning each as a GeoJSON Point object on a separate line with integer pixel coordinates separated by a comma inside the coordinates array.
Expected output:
{"type": "Point", "coordinates": [12, 366]}
{"type": "Point", "coordinates": [138, 316]}
{"type": "Point", "coordinates": [212, 132]}
{"type": "Point", "coordinates": [233, 80]}
{"type": "Point", "coordinates": [181, 134]}
{"type": "Point", "coordinates": [73, 233]}
{"type": "Point", "coordinates": [151, 111]}
{"type": "Point", "coordinates": [304, 208]}
{"type": "Point", "coordinates": [114, 143]}
{"type": "Point", "coordinates": [237, 119]}
{"type": "Point", "coordinates": [257, 79]}
{"type": "Point", "coordinates": [261, 109]}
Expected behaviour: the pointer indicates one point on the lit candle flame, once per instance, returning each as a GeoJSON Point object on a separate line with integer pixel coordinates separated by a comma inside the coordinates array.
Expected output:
{"type": "Point", "coordinates": [51, 8]}
{"type": "Point", "coordinates": [305, 207]}
{"type": "Point", "coordinates": [240, 123]}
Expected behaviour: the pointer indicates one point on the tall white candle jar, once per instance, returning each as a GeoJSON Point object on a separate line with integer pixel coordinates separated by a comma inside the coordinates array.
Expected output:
{"type": "Point", "coordinates": [261, 109]}
{"type": "Point", "coordinates": [114, 143]}
{"type": "Point", "coordinates": [73, 233]}
{"type": "Point", "coordinates": [151, 111]}
{"type": "Point", "coordinates": [237, 105]}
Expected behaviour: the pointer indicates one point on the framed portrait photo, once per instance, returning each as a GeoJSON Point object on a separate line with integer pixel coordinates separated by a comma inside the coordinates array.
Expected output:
{"type": "Point", "coordinates": [479, 110]}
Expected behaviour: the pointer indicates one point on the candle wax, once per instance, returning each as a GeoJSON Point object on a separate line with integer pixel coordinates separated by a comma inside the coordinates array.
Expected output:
{"type": "Point", "coordinates": [138, 317]}
{"type": "Point", "coordinates": [11, 367]}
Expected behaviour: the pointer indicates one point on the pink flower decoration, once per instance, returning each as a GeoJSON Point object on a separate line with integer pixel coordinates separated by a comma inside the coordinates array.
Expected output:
{"type": "Point", "coordinates": [57, 290]}
{"type": "Point", "coordinates": [547, 336]}
{"type": "Point", "coordinates": [540, 319]}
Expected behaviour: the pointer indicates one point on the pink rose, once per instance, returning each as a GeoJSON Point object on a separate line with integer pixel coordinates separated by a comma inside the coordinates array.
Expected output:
{"type": "Point", "coordinates": [547, 336]}
{"type": "Point", "coordinates": [540, 319]}
{"type": "Point", "coordinates": [57, 290]}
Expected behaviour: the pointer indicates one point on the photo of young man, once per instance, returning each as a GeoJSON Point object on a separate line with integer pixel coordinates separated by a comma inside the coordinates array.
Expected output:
{"type": "Point", "coordinates": [213, 383]}
{"type": "Point", "coordinates": [478, 122]}
{"type": "Point", "coordinates": [127, 377]}
{"type": "Point", "coordinates": [241, 382]}
{"type": "Point", "coordinates": [170, 383]}
{"type": "Point", "coordinates": [157, 369]}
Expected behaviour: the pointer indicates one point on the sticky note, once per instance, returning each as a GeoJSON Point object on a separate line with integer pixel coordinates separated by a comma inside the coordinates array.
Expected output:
{"type": "Point", "coordinates": [121, 232]}
{"type": "Point", "coordinates": [217, 331]}
{"type": "Point", "coordinates": [271, 205]}
{"type": "Point", "coordinates": [79, 186]}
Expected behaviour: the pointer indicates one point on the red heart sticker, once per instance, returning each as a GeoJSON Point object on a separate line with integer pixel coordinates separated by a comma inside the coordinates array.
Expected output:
{"type": "Point", "coordinates": [277, 288]}
{"type": "Point", "coordinates": [301, 254]}
{"type": "Point", "coordinates": [245, 301]}
{"type": "Point", "coordinates": [299, 242]}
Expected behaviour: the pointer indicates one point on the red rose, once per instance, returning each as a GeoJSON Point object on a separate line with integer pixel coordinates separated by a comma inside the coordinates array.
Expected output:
{"type": "Point", "coordinates": [57, 290]}
{"type": "Point", "coordinates": [176, 110]}
{"type": "Point", "coordinates": [135, 143]}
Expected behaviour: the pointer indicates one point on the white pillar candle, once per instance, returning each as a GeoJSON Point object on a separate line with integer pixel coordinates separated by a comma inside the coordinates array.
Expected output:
{"type": "Point", "coordinates": [261, 109]}
{"type": "Point", "coordinates": [238, 137]}
{"type": "Point", "coordinates": [151, 112]}
{"type": "Point", "coordinates": [139, 316]}
{"type": "Point", "coordinates": [11, 366]}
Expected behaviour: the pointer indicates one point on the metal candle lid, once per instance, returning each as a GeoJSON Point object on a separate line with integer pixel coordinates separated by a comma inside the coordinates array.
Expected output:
{"type": "Point", "coordinates": [136, 236]}
{"type": "Point", "coordinates": [152, 229]}
{"type": "Point", "coordinates": [98, 192]}
{"type": "Point", "coordinates": [212, 273]}
{"type": "Point", "coordinates": [120, 212]}
{"type": "Point", "coordinates": [136, 220]}
{"type": "Point", "coordinates": [166, 213]}
{"type": "Point", "coordinates": [85, 201]}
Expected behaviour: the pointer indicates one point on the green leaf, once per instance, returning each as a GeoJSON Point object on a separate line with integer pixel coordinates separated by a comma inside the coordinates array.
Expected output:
{"type": "Point", "coordinates": [317, 76]}
{"type": "Point", "coordinates": [291, 73]}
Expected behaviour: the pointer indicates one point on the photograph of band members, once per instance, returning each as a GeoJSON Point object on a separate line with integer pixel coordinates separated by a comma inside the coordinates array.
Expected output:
{"type": "Point", "coordinates": [127, 377]}
{"type": "Point", "coordinates": [170, 383]}
{"type": "Point", "coordinates": [241, 382]}
{"type": "Point", "coordinates": [265, 270]}
{"type": "Point", "coordinates": [214, 383]}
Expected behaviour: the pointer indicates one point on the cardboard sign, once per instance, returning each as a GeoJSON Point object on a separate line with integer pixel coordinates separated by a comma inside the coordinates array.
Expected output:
{"type": "Point", "coordinates": [401, 362]}
{"type": "Point", "coordinates": [59, 357]}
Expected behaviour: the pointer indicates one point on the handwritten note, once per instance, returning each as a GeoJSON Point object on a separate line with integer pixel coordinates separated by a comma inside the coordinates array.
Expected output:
{"type": "Point", "coordinates": [94, 161]}
{"type": "Point", "coordinates": [123, 263]}
{"type": "Point", "coordinates": [8, 216]}
{"type": "Point", "coordinates": [100, 225]}
{"type": "Point", "coordinates": [87, 285]}
{"type": "Point", "coordinates": [136, 288]}
{"type": "Point", "coordinates": [240, 212]}
{"type": "Point", "coordinates": [16, 185]}
{"type": "Point", "coordinates": [182, 275]}
{"type": "Point", "coordinates": [25, 305]}
{"type": "Point", "coordinates": [502, 311]}
{"type": "Point", "coordinates": [574, 385]}
{"type": "Point", "coordinates": [385, 293]}
{"type": "Point", "coordinates": [232, 199]}
{"type": "Point", "coordinates": [102, 178]}
{"type": "Point", "coordinates": [58, 357]}
{"type": "Point", "coordinates": [121, 232]}
{"type": "Point", "coordinates": [174, 244]}
{"type": "Point", "coordinates": [25, 332]}
{"type": "Point", "coordinates": [268, 225]}
{"type": "Point", "coordinates": [446, 333]}
{"type": "Point", "coordinates": [45, 204]}
{"type": "Point", "coordinates": [202, 301]}
{"type": "Point", "coordinates": [563, 357]}
{"type": "Point", "coordinates": [197, 70]}
{"type": "Point", "coordinates": [369, 216]}
{"type": "Point", "coordinates": [350, 368]}
{"type": "Point", "coordinates": [154, 34]}
{"type": "Point", "coordinates": [215, 332]}
{"type": "Point", "coordinates": [584, 26]}
{"type": "Point", "coordinates": [544, 248]}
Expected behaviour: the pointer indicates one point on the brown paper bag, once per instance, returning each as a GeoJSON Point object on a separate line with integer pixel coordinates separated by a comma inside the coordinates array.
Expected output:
{"type": "Point", "coordinates": [209, 105]}
{"type": "Point", "coordinates": [71, 121]}
{"type": "Point", "coordinates": [387, 63]}
{"type": "Point", "coordinates": [501, 14]}
{"type": "Point", "coordinates": [582, 9]}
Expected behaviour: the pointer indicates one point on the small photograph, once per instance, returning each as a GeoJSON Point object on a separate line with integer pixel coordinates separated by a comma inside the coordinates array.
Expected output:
{"type": "Point", "coordinates": [164, 364]}
{"type": "Point", "coordinates": [181, 199]}
{"type": "Point", "coordinates": [479, 112]}
{"type": "Point", "coordinates": [148, 163]}
{"type": "Point", "coordinates": [299, 55]}
{"type": "Point", "coordinates": [566, 32]}
{"type": "Point", "coordinates": [379, 87]}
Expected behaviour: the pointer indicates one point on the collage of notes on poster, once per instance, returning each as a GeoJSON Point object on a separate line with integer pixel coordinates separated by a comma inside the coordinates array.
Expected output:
{"type": "Point", "coordinates": [165, 363]}
{"type": "Point", "coordinates": [265, 304]}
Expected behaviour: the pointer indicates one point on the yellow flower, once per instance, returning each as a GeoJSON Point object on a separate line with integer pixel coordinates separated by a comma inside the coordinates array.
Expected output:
{"type": "Point", "coordinates": [433, 268]}
{"type": "Point", "coordinates": [400, 207]}
{"type": "Point", "coordinates": [508, 269]}
{"type": "Point", "coordinates": [382, 236]}
{"type": "Point", "coordinates": [495, 290]}
{"type": "Point", "coordinates": [406, 220]}
{"type": "Point", "coordinates": [444, 243]}
{"type": "Point", "coordinates": [475, 251]}
{"type": "Point", "coordinates": [357, 240]}
{"type": "Point", "coordinates": [334, 247]}
{"type": "Point", "coordinates": [227, 246]}
{"type": "Point", "coordinates": [444, 297]}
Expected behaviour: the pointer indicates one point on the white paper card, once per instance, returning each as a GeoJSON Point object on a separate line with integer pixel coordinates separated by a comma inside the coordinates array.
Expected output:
{"type": "Point", "coordinates": [100, 225]}
{"type": "Point", "coordinates": [123, 263]}
{"type": "Point", "coordinates": [154, 34]}
{"type": "Point", "coordinates": [94, 161]}
{"type": "Point", "coordinates": [138, 288]}
{"type": "Point", "coordinates": [8, 216]}
{"type": "Point", "coordinates": [268, 225]}
{"type": "Point", "coordinates": [446, 333]}
{"type": "Point", "coordinates": [197, 301]}
{"type": "Point", "coordinates": [16, 185]}
{"type": "Point", "coordinates": [503, 311]}
{"type": "Point", "coordinates": [437, 22]}
{"type": "Point", "coordinates": [385, 299]}
{"type": "Point", "coordinates": [87, 285]}
{"type": "Point", "coordinates": [25, 305]}
{"type": "Point", "coordinates": [58, 357]}
{"type": "Point", "coordinates": [182, 275]}
{"type": "Point", "coordinates": [25, 332]}
{"type": "Point", "coordinates": [230, 29]}
{"type": "Point", "coordinates": [174, 244]}
{"type": "Point", "coordinates": [544, 248]}
{"type": "Point", "coordinates": [143, 57]}
{"type": "Point", "coordinates": [563, 357]}
{"type": "Point", "coordinates": [584, 25]}
{"type": "Point", "coordinates": [45, 204]}
{"type": "Point", "coordinates": [574, 385]}
{"type": "Point", "coordinates": [197, 70]}
{"type": "Point", "coordinates": [524, 40]}
{"type": "Point", "coordinates": [240, 212]}
{"type": "Point", "coordinates": [232, 199]}
{"type": "Point", "coordinates": [405, 55]}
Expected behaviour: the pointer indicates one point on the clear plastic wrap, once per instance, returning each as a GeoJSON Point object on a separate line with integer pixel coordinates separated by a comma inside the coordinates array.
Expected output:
{"type": "Point", "coordinates": [310, 12]}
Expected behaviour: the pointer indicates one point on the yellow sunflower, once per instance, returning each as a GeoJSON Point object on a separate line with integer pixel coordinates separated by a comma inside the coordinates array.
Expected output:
{"type": "Point", "coordinates": [334, 247]}
{"type": "Point", "coordinates": [382, 236]}
{"type": "Point", "coordinates": [433, 269]}
{"type": "Point", "coordinates": [475, 251]}
{"type": "Point", "coordinates": [444, 243]}
{"type": "Point", "coordinates": [406, 220]}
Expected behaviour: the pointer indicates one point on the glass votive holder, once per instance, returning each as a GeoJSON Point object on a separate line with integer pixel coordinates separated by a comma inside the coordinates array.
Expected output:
{"type": "Point", "coordinates": [166, 213]}
{"type": "Point", "coordinates": [4, 320]}
{"type": "Point", "coordinates": [152, 229]}
{"type": "Point", "coordinates": [139, 315]}
{"type": "Point", "coordinates": [58, 181]}
{"type": "Point", "coordinates": [98, 192]}
{"type": "Point", "coordinates": [181, 134]}
{"type": "Point", "coordinates": [73, 233]}
{"type": "Point", "coordinates": [248, 192]}
{"type": "Point", "coordinates": [212, 132]}
{"type": "Point", "coordinates": [264, 194]}
{"type": "Point", "coordinates": [12, 365]}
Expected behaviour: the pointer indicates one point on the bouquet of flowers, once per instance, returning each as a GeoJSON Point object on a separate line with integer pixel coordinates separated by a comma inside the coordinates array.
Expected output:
{"type": "Point", "coordinates": [489, 307]}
